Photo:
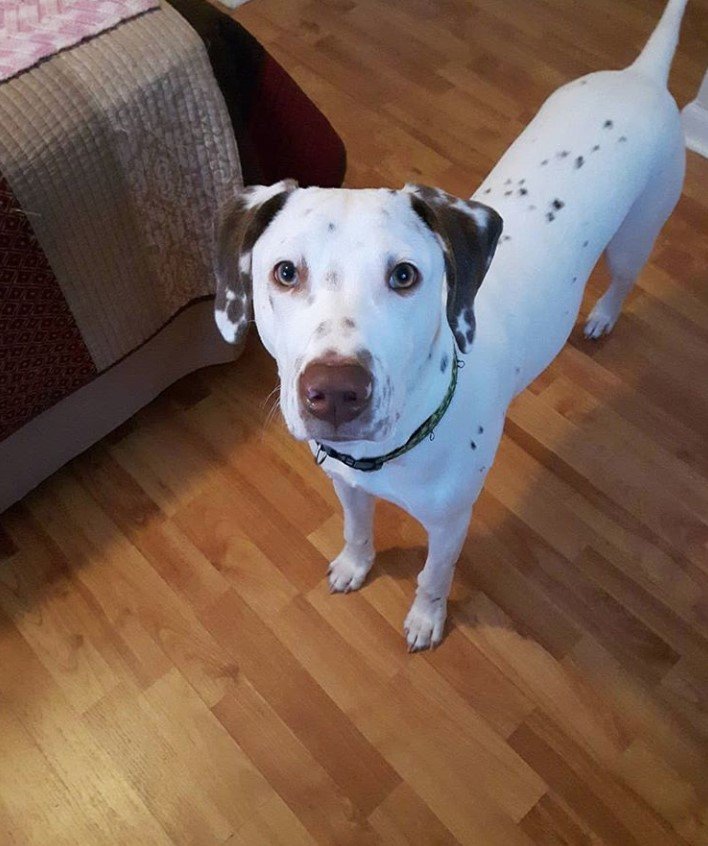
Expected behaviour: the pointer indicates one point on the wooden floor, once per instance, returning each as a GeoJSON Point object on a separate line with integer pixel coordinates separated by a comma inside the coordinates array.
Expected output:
{"type": "Point", "coordinates": [172, 667]}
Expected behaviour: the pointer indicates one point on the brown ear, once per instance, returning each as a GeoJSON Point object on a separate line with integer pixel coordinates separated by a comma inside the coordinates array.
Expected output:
{"type": "Point", "coordinates": [469, 232]}
{"type": "Point", "coordinates": [241, 222]}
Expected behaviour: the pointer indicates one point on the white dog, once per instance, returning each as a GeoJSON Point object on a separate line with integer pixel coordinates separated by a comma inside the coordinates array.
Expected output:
{"type": "Point", "coordinates": [370, 302]}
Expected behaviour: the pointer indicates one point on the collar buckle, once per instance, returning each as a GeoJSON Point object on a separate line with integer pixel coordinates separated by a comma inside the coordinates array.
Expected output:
{"type": "Point", "coordinates": [368, 464]}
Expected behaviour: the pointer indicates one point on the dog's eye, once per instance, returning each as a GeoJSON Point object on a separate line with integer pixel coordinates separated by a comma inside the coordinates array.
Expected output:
{"type": "Point", "coordinates": [403, 276]}
{"type": "Point", "coordinates": [285, 273]}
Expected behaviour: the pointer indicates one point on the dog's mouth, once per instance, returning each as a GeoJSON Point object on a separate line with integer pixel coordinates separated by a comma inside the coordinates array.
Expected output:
{"type": "Point", "coordinates": [371, 427]}
{"type": "Point", "coordinates": [336, 400]}
{"type": "Point", "coordinates": [308, 417]}
{"type": "Point", "coordinates": [317, 430]}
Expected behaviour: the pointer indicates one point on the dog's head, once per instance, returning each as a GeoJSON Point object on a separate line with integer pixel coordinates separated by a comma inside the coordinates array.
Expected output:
{"type": "Point", "coordinates": [352, 290]}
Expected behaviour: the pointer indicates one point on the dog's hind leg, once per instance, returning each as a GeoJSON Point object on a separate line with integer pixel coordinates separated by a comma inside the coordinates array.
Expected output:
{"type": "Point", "coordinates": [630, 247]}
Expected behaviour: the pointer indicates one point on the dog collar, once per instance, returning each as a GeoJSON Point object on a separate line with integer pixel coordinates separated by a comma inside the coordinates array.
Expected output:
{"type": "Point", "coordinates": [425, 430]}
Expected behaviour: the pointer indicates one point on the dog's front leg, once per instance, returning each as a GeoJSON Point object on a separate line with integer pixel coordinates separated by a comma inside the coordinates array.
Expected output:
{"type": "Point", "coordinates": [426, 620]}
{"type": "Point", "coordinates": [348, 570]}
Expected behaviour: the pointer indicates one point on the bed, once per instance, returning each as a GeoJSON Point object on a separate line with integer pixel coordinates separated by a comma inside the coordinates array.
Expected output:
{"type": "Point", "coordinates": [115, 154]}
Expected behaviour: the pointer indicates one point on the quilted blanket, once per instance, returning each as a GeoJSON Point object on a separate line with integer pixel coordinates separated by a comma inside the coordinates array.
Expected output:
{"type": "Point", "coordinates": [116, 156]}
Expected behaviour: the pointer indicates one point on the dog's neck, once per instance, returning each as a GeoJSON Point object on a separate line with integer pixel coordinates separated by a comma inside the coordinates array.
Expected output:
{"type": "Point", "coordinates": [428, 387]}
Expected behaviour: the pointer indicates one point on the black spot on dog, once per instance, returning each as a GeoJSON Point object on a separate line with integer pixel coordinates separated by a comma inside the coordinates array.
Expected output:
{"type": "Point", "coordinates": [331, 227]}
{"type": "Point", "coordinates": [517, 369]}
{"type": "Point", "coordinates": [563, 154]}
{"type": "Point", "coordinates": [443, 364]}
{"type": "Point", "coordinates": [575, 279]}
{"type": "Point", "coordinates": [480, 430]}
{"type": "Point", "coordinates": [487, 191]}
{"type": "Point", "coordinates": [585, 243]}
{"type": "Point", "coordinates": [506, 237]}
{"type": "Point", "coordinates": [550, 217]}
{"type": "Point", "coordinates": [521, 181]}
{"type": "Point", "coordinates": [508, 182]}
{"type": "Point", "coordinates": [583, 82]}
{"type": "Point", "coordinates": [523, 192]}
{"type": "Point", "coordinates": [622, 139]}
{"type": "Point", "coordinates": [473, 445]}
{"type": "Point", "coordinates": [332, 280]}
{"type": "Point", "coordinates": [596, 148]}
{"type": "Point", "coordinates": [532, 208]}
{"type": "Point", "coordinates": [482, 468]}
{"type": "Point", "coordinates": [508, 193]}
{"type": "Point", "coordinates": [608, 124]}
{"type": "Point", "coordinates": [579, 162]}
{"type": "Point", "coordinates": [365, 358]}
{"type": "Point", "coordinates": [544, 162]}
{"type": "Point", "coordinates": [557, 204]}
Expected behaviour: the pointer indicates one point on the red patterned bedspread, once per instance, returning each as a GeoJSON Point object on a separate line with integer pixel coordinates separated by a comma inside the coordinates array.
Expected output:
{"type": "Point", "coordinates": [42, 354]}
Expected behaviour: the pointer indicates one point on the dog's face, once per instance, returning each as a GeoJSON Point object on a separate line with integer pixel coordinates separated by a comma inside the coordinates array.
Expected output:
{"type": "Point", "coordinates": [351, 292]}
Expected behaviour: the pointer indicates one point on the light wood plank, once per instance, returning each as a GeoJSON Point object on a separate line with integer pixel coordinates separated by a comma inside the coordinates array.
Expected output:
{"type": "Point", "coordinates": [173, 668]}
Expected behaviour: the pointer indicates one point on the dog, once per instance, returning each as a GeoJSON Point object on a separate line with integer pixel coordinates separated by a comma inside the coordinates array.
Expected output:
{"type": "Point", "coordinates": [396, 363]}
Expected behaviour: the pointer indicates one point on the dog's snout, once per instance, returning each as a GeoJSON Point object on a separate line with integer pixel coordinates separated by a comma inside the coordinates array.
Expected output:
{"type": "Point", "coordinates": [336, 392]}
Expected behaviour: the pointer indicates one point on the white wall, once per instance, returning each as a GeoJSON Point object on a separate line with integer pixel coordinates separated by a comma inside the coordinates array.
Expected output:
{"type": "Point", "coordinates": [695, 120]}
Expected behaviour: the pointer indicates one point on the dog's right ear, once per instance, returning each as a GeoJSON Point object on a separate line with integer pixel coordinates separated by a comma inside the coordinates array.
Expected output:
{"type": "Point", "coordinates": [468, 233]}
{"type": "Point", "coordinates": [241, 222]}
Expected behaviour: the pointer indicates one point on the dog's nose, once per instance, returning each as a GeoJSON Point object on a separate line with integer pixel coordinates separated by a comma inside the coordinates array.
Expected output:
{"type": "Point", "coordinates": [335, 392]}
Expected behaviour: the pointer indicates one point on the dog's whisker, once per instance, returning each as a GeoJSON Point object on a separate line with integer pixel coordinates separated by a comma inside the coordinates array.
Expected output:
{"type": "Point", "coordinates": [270, 417]}
{"type": "Point", "coordinates": [270, 408]}
{"type": "Point", "coordinates": [275, 390]}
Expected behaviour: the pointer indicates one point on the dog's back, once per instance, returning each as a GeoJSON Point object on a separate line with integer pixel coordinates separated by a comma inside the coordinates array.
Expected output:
{"type": "Point", "coordinates": [599, 168]}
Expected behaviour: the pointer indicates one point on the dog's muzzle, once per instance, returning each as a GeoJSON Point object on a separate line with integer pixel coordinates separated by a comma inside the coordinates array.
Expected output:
{"type": "Point", "coordinates": [335, 392]}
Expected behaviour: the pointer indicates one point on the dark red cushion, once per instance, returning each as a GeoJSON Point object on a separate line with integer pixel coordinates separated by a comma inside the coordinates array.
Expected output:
{"type": "Point", "coordinates": [279, 131]}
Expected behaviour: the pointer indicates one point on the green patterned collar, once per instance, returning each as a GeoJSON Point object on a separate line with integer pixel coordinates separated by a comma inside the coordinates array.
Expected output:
{"type": "Point", "coordinates": [425, 430]}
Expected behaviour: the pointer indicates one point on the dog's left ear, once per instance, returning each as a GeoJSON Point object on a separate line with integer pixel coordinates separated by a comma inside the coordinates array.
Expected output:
{"type": "Point", "coordinates": [468, 232]}
{"type": "Point", "coordinates": [240, 223]}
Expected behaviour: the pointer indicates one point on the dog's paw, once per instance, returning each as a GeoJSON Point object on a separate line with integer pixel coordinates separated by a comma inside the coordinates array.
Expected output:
{"type": "Point", "coordinates": [602, 318]}
{"type": "Point", "coordinates": [347, 572]}
{"type": "Point", "coordinates": [425, 624]}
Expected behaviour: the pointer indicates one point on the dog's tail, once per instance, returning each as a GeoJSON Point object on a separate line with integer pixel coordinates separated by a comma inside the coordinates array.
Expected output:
{"type": "Point", "coordinates": [656, 57]}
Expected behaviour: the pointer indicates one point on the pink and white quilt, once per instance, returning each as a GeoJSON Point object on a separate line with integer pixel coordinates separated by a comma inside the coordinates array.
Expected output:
{"type": "Point", "coordinates": [32, 30]}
